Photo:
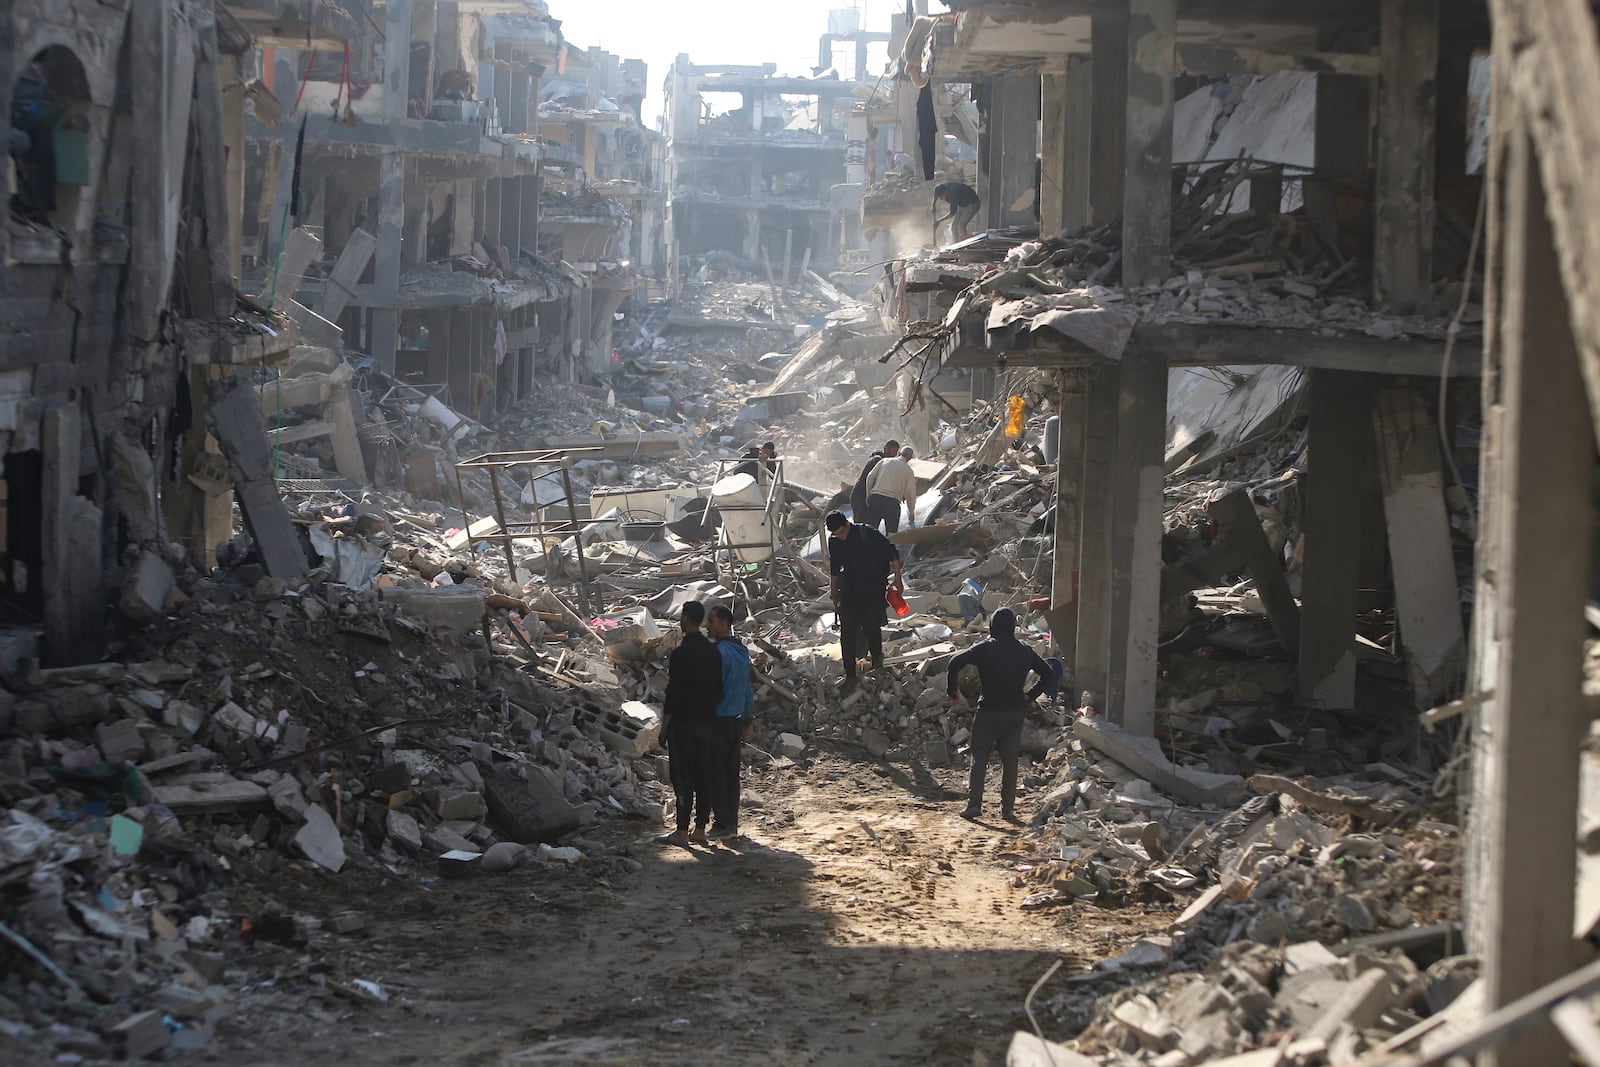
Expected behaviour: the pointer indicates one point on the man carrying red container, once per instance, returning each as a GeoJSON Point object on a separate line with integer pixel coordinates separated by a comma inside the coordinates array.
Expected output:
{"type": "Point", "coordinates": [860, 560]}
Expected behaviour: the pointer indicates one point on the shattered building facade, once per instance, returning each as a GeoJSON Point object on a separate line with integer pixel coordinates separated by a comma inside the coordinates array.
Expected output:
{"type": "Point", "coordinates": [768, 177]}
{"type": "Point", "coordinates": [118, 303]}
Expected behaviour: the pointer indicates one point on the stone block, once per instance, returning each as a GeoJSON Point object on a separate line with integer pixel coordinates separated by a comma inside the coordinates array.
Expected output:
{"type": "Point", "coordinates": [404, 831]}
{"type": "Point", "coordinates": [120, 742]}
{"type": "Point", "coordinates": [147, 590]}
{"type": "Point", "coordinates": [319, 839]}
{"type": "Point", "coordinates": [288, 797]}
{"type": "Point", "coordinates": [532, 811]}
{"type": "Point", "coordinates": [443, 839]}
{"type": "Point", "coordinates": [462, 806]}
{"type": "Point", "coordinates": [936, 753]}
{"type": "Point", "coordinates": [791, 745]}
{"type": "Point", "coordinates": [140, 1036]}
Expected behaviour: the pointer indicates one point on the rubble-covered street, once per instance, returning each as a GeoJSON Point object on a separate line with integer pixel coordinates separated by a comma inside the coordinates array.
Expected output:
{"type": "Point", "coordinates": [1053, 533]}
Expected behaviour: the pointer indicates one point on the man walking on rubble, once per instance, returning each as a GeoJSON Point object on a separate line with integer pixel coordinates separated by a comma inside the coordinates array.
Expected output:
{"type": "Point", "coordinates": [858, 494]}
{"type": "Point", "coordinates": [892, 483]}
{"type": "Point", "coordinates": [688, 725]}
{"type": "Point", "coordinates": [859, 561]}
{"type": "Point", "coordinates": [735, 712]}
{"type": "Point", "coordinates": [1003, 664]}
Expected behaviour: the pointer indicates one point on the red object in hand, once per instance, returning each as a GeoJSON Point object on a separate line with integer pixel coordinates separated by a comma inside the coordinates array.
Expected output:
{"type": "Point", "coordinates": [897, 602]}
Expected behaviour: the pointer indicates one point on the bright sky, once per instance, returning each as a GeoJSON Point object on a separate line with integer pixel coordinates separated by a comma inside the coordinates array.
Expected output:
{"type": "Point", "coordinates": [746, 32]}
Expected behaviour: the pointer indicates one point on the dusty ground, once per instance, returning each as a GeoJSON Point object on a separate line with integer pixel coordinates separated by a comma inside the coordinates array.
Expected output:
{"type": "Point", "coordinates": [868, 925]}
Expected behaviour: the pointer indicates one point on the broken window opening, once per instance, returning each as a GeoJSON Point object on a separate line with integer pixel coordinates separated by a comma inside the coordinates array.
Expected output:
{"type": "Point", "coordinates": [22, 531]}
{"type": "Point", "coordinates": [48, 139]}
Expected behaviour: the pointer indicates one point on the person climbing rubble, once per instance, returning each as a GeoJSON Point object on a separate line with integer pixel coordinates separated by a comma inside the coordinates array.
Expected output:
{"type": "Point", "coordinates": [1003, 665]}
{"type": "Point", "coordinates": [858, 494]}
{"type": "Point", "coordinates": [694, 692]}
{"type": "Point", "coordinates": [735, 713]}
{"type": "Point", "coordinates": [860, 560]}
{"type": "Point", "coordinates": [891, 484]}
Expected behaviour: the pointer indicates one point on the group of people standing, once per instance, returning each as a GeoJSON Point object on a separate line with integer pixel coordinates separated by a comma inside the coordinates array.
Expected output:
{"type": "Point", "coordinates": [709, 707]}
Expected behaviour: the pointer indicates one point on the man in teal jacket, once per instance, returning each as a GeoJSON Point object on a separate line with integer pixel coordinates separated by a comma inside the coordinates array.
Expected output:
{"type": "Point", "coordinates": [734, 715]}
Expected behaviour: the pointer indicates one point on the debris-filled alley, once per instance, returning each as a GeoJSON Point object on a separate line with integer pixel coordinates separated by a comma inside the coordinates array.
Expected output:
{"type": "Point", "coordinates": [523, 554]}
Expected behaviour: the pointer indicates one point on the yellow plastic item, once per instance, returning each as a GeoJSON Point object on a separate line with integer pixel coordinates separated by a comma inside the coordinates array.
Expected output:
{"type": "Point", "coordinates": [1015, 416]}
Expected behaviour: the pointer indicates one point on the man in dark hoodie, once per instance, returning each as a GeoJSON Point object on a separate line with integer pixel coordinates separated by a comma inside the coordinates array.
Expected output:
{"type": "Point", "coordinates": [688, 725]}
{"type": "Point", "coordinates": [1003, 664]}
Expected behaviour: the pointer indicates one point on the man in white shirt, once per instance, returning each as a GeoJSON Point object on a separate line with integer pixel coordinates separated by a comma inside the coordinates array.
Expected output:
{"type": "Point", "coordinates": [892, 482]}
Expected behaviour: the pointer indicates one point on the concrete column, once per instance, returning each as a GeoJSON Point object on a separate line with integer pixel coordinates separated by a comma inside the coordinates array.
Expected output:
{"type": "Point", "coordinates": [1427, 603]}
{"type": "Point", "coordinates": [70, 528]}
{"type": "Point", "coordinates": [1074, 403]}
{"type": "Point", "coordinates": [1147, 194]}
{"type": "Point", "coordinates": [397, 58]}
{"type": "Point", "coordinates": [1403, 216]}
{"type": "Point", "coordinates": [233, 144]}
{"type": "Point", "coordinates": [1092, 661]}
{"type": "Point", "coordinates": [386, 260]}
{"type": "Point", "coordinates": [751, 249]}
{"type": "Point", "coordinates": [1343, 131]}
{"type": "Point", "coordinates": [1340, 448]}
{"type": "Point", "coordinates": [1011, 141]}
{"type": "Point", "coordinates": [1108, 122]}
{"type": "Point", "coordinates": [1137, 476]}
{"type": "Point", "coordinates": [1534, 562]}
{"type": "Point", "coordinates": [1053, 152]}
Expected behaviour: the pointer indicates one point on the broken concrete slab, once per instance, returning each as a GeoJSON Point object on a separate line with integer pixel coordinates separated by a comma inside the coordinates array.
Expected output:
{"type": "Point", "coordinates": [120, 741]}
{"type": "Point", "coordinates": [212, 791]}
{"type": "Point", "coordinates": [148, 589]}
{"type": "Point", "coordinates": [450, 607]}
{"type": "Point", "coordinates": [443, 839]}
{"type": "Point", "coordinates": [1143, 756]}
{"type": "Point", "coordinates": [404, 831]}
{"type": "Point", "coordinates": [462, 805]}
{"type": "Point", "coordinates": [140, 1036]}
{"type": "Point", "coordinates": [319, 841]}
{"type": "Point", "coordinates": [1029, 1050]}
{"type": "Point", "coordinates": [1358, 1005]}
{"type": "Point", "coordinates": [529, 812]}
{"type": "Point", "coordinates": [234, 418]}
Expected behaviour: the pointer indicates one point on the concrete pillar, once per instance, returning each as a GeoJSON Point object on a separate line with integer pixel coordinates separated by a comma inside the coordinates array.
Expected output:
{"type": "Point", "coordinates": [1341, 138]}
{"type": "Point", "coordinates": [1534, 562]}
{"type": "Point", "coordinates": [1092, 661]}
{"type": "Point", "coordinates": [1340, 446]}
{"type": "Point", "coordinates": [1074, 401]}
{"type": "Point", "coordinates": [751, 249]}
{"type": "Point", "coordinates": [1137, 477]}
{"type": "Point", "coordinates": [391, 186]}
{"type": "Point", "coordinates": [1147, 194]}
{"type": "Point", "coordinates": [1427, 602]}
{"type": "Point", "coordinates": [70, 529]}
{"type": "Point", "coordinates": [1011, 140]}
{"type": "Point", "coordinates": [1108, 122]}
{"type": "Point", "coordinates": [1403, 216]}
{"type": "Point", "coordinates": [233, 144]}
{"type": "Point", "coordinates": [397, 58]}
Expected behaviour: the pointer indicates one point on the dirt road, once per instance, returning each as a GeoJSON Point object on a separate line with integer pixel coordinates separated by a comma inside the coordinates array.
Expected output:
{"type": "Point", "coordinates": [868, 925]}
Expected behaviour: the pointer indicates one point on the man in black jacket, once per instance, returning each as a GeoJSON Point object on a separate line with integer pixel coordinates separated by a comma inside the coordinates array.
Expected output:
{"type": "Point", "coordinates": [694, 689]}
{"type": "Point", "coordinates": [1003, 664]}
{"type": "Point", "coordinates": [859, 561]}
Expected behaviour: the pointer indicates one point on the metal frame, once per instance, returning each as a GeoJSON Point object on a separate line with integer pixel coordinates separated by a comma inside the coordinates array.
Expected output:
{"type": "Point", "coordinates": [725, 553]}
{"type": "Point", "coordinates": [544, 463]}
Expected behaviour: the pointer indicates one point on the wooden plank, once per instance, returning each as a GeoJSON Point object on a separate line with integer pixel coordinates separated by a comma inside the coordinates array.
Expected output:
{"type": "Point", "coordinates": [1555, 72]}
{"type": "Point", "coordinates": [1147, 189]}
{"type": "Point", "coordinates": [1063, 614]}
{"type": "Point", "coordinates": [1403, 212]}
{"type": "Point", "coordinates": [1092, 657]}
{"type": "Point", "coordinates": [234, 418]}
{"type": "Point", "coordinates": [1137, 479]}
{"type": "Point", "coordinates": [1221, 345]}
{"type": "Point", "coordinates": [1340, 453]}
{"type": "Point", "coordinates": [1108, 124]}
{"type": "Point", "coordinates": [347, 270]}
{"type": "Point", "coordinates": [1537, 717]}
{"type": "Point", "coordinates": [213, 161]}
{"type": "Point", "coordinates": [1198, 58]}
{"type": "Point", "coordinates": [1427, 602]}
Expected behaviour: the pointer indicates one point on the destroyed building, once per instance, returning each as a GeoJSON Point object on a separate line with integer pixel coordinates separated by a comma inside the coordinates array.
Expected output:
{"type": "Point", "coordinates": [754, 159]}
{"type": "Point", "coordinates": [369, 424]}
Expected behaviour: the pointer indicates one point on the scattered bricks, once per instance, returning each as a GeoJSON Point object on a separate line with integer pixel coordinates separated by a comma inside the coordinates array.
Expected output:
{"type": "Point", "coordinates": [347, 922]}
{"type": "Point", "coordinates": [462, 806]}
{"type": "Point", "coordinates": [531, 811]}
{"type": "Point", "coordinates": [120, 742]}
{"type": "Point", "coordinates": [404, 831]}
{"type": "Point", "coordinates": [319, 841]}
{"type": "Point", "coordinates": [140, 1036]}
{"type": "Point", "coordinates": [936, 753]}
